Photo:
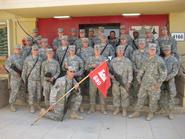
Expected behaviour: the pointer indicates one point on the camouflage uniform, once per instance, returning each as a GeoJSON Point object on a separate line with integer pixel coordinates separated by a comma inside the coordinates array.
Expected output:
{"type": "Point", "coordinates": [123, 67]}
{"type": "Point", "coordinates": [49, 67]}
{"type": "Point", "coordinates": [34, 80]}
{"type": "Point", "coordinates": [152, 40]}
{"type": "Point", "coordinates": [153, 72]}
{"type": "Point", "coordinates": [57, 41]}
{"type": "Point", "coordinates": [60, 53]}
{"type": "Point", "coordinates": [15, 78]}
{"type": "Point", "coordinates": [108, 51]}
{"type": "Point", "coordinates": [61, 86]}
{"type": "Point", "coordinates": [42, 54]}
{"type": "Point", "coordinates": [114, 42]}
{"type": "Point", "coordinates": [72, 39]}
{"type": "Point", "coordinates": [168, 88]}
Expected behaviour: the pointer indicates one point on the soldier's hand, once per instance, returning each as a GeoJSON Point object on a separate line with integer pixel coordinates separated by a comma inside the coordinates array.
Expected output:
{"type": "Point", "coordinates": [76, 86]}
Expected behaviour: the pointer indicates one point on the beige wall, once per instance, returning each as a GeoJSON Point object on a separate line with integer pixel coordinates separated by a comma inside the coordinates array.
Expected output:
{"type": "Point", "coordinates": [16, 33]}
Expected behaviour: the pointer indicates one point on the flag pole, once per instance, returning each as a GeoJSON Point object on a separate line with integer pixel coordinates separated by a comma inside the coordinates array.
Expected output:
{"type": "Point", "coordinates": [51, 106]}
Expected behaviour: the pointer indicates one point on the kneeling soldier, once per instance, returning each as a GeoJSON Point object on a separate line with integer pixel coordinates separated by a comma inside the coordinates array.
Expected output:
{"type": "Point", "coordinates": [72, 101]}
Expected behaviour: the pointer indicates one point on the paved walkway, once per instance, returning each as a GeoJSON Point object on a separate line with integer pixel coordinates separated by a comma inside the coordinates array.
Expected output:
{"type": "Point", "coordinates": [95, 126]}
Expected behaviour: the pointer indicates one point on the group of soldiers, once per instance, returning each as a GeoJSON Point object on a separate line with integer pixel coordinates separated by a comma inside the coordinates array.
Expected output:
{"type": "Point", "coordinates": [141, 69]}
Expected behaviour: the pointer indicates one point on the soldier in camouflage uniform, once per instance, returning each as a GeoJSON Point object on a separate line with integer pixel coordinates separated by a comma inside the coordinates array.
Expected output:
{"type": "Point", "coordinates": [106, 49]}
{"type": "Point", "coordinates": [91, 37]}
{"type": "Point", "coordinates": [135, 40]}
{"type": "Point", "coordinates": [14, 66]}
{"type": "Point", "coordinates": [31, 76]}
{"type": "Point", "coordinates": [150, 39]}
{"type": "Point", "coordinates": [113, 40]}
{"type": "Point", "coordinates": [151, 76]}
{"type": "Point", "coordinates": [168, 87]}
{"type": "Point", "coordinates": [26, 50]}
{"type": "Point", "coordinates": [128, 50]}
{"type": "Point", "coordinates": [97, 39]}
{"type": "Point", "coordinates": [62, 49]}
{"type": "Point", "coordinates": [57, 41]}
{"type": "Point", "coordinates": [138, 58]}
{"type": "Point", "coordinates": [165, 39]}
{"type": "Point", "coordinates": [61, 86]}
{"type": "Point", "coordinates": [121, 67]}
{"type": "Point", "coordinates": [123, 33]}
{"type": "Point", "coordinates": [49, 73]}
{"type": "Point", "coordinates": [92, 63]}
{"type": "Point", "coordinates": [73, 37]}
{"type": "Point", "coordinates": [78, 42]}
{"type": "Point", "coordinates": [43, 49]}
{"type": "Point", "coordinates": [36, 36]}
{"type": "Point", "coordinates": [73, 60]}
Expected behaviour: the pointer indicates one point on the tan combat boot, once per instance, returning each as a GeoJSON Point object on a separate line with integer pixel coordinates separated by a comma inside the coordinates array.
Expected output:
{"type": "Point", "coordinates": [32, 109]}
{"type": "Point", "coordinates": [116, 111]}
{"type": "Point", "coordinates": [103, 109]}
{"type": "Point", "coordinates": [92, 109]}
{"type": "Point", "coordinates": [134, 114]}
{"type": "Point", "coordinates": [150, 116]}
{"type": "Point", "coordinates": [124, 112]}
{"type": "Point", "coordinates": [12, 108]}
{"type": "Point", "coordinates": [75, 115]}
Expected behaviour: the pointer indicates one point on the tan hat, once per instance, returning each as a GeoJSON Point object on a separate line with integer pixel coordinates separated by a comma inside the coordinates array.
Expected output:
{"type": "Point", "coordinates": [122, 27]}
{"type": "Point", "coordinates": [60, 29]}
{"type": "Point", "coordinates": [82, 30]}
{"type": "Point", "coordinates": [152, 45]}
{"type": "Point", "coordinates": [71, 68]}
{"type": "Point", "coordinates": [85, 40]}
{"type": "Point", "coordinates": [166, 47]}
{"type": "Point", "coordinates": [120, 48]}
{"type": "Point", "coordinates": [35, 48]}
{"type": "Point", "coordinates": [101, 29]}
{"type": "Point", "coordinates": [65, 37]}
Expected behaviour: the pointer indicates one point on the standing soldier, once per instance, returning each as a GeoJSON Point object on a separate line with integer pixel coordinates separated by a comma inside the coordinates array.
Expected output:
{"type": "Point", "coordinates": [106, 49]}
{"type": "Point", "coordinates": [26, 50]}
{"type": "Point", "coordinates": [151, 77]}
{"type": "Point", "coordinates": [168, 88]}
{"type": "Point", "coordinates": [100, 34]}
{"type": "Point", "coordinates": [92, 63]}
{"type": "Point", "coordinates": [135, 40]}
{"type": "Point", "coordinates": [50, 72]}
{"type": "Point", "coordinates": [73, 37]}
{"type": "Point", "coordinates": [122, 76]}
{"type": "Point", "coordinates": [91, 37]}
{"type": "Point", "coordinates": [165, 39]}
{"type": "Point", "coordinates": [124, 33]}
{"type": "Point", "coordinates": [78, 42]}
{"type": "Point", "coordinates": [138, 58]}
{"type": "Point", "coordinates": [36, 36]}
{"type": "Point", "coordinates": [73, 60]}
{"type": "Point", "coordinates": [113, 40]}
{"type": "Point", "coordinates": [128, 50]}
{"type": "Point", "coordinates": [43, 49]}
{"type": "Point", "coordinates": [73, 100]}
{"type": "Point", "coordinates": [32, 77]}
{"type": "Point", "coordinates": [14, 66]}
{"type": "Point", "coordinates": [56, 42]}
{"type": "Point", "coordinates": [62, 49]}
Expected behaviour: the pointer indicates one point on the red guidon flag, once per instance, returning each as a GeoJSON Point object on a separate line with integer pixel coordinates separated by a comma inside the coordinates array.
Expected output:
{"type": "Point", "coordinates": [101, 78]}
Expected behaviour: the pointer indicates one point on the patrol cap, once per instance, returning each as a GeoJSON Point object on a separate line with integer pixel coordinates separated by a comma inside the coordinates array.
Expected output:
{"type": "Point", "coordinates": [65, 37]}
{"type": "Point", "coordinates": [163, 28]}
{"type": "Point", "coordinates": [141, 40]}
{"type": "Point", "coordinates": [152, 45]}
{"type": "Point", "coordinates": [35, 30]}
{"type": "Point", "coordinates": [60, 30]}
{"type": "Point", "coordinates": [120, 48]}
{"type": "Point", "coordinates": [71, 68]}
{"type": "Point", "coordinates": [123, 37]}
{"type": "Point", "coordinates": [166, 47]}
{"type": "Point", "coordinates": [72, 47]}
{"type": "Point", "coordinates": [101, 29]}
{"type": "Point", "coordinates": [82, 30]}
{"type": "Point", "coordinates": [74, 30]}
{"type": "Point", "coordinates": [18, 46]}
{"type": "Point", "coordinates": [44, 40]}
{"type": "Point", "coordinates": [35, 48]}
{"type": "Point", "coordinates": [97, 47]}
{"type": "Point", "coordinates": [85, 40]}
{"type": "Point", "coordinates": [91, 30]}
{"type": "Point", "coordinates": [122, 27]}
{"type": "Point", "coordinates": [49, 50]}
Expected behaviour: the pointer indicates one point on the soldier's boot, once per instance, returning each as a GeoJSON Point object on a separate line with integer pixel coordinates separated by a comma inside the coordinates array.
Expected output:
{"type": "Point", "coordinates": [92, 109]}
{"type": "Point", "coordinates": [116, 111]}
{"type": "Point", "coordinates": [81, 109]}
{"type": "Point", "coordinates": [12, 108]}
{"type": "Point", "coordinates": [75, 115]}
{"type": "Point", "coordinates": [102, 109]}
{"type": "Point", "coordinates": [171, 116]}
{"type": "Point", "coordinates": [150, 116]}
{"type": "Point", "coordinates": [134, 114]}
{"type": "Point", "coordinates": [42, 111]}
{"type": "Point", "coordinates": [32, 109]}
{"type": "Point", "coordinates": [124, 112]}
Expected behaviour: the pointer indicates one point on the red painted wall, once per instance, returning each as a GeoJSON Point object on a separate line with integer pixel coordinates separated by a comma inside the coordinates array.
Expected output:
{"type": "Point", "coordinates": [48, 27]}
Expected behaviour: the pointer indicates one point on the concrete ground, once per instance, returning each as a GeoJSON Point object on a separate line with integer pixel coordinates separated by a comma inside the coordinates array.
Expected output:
{"type": "Point", "coordinates": [95, 126]}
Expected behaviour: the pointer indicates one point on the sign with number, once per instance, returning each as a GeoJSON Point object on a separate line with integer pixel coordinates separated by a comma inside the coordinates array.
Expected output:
{"type": "Point", "coordinates": [180, 36]}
